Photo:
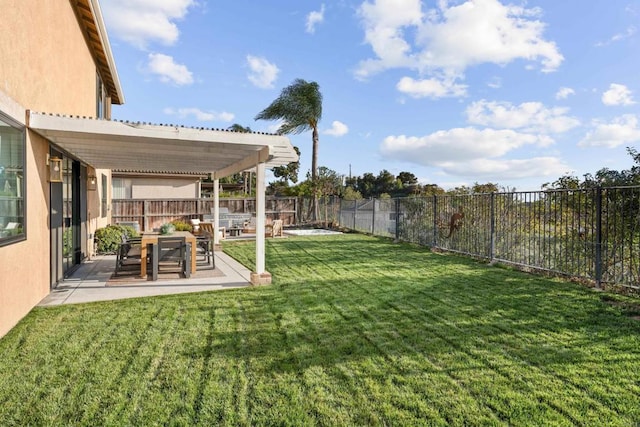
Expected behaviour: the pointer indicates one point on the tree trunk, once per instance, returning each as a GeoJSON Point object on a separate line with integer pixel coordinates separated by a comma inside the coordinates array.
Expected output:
{"type": "Point", "coordinates": [314, 172]}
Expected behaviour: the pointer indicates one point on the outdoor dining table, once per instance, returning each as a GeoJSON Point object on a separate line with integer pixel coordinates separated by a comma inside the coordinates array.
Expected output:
{"type": "Point", "coordinates": [152, 238]}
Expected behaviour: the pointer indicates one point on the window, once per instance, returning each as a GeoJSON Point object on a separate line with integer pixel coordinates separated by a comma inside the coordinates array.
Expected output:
{"type": "Point", "coordinates": [101, 99]}
{"type": "Point", "coordinates": [103, 205]}
{"type": "Point", "coordinates": [12, 200]}
{"type": "Point", "coordinates": [121, 188]}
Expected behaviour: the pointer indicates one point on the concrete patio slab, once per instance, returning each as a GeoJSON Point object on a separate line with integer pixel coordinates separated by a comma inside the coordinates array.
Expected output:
{"type": "Point", "coordinates": [89, 282]}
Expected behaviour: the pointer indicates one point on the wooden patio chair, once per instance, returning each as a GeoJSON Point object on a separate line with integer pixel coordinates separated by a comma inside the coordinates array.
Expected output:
{"type": "Point", "coordinates": [205, 242]}
{"type": "Point", "coordinates": [250, 226]}
{"type": "Point", "coordinates": [275, 228]}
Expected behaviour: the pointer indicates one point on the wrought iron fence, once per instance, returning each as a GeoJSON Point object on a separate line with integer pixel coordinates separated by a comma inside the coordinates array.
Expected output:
{"type": "Point", "coordinates": [591, 233]}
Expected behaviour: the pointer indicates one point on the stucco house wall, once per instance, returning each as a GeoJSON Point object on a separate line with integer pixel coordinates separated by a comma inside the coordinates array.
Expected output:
{"type": "Point", "coordinates": [46, 66]}
{"type": "Point", "coordinates": [129, 185]}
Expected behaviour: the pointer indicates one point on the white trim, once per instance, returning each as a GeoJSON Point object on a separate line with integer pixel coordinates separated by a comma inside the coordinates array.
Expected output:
{"type": "Point", "coordinates": [12, 109]}
{"type": "Point", "coordinates": [104, 39]}
{"type": "Point", "coordinates": [216, 211]}
{"type": "Point", "coordinates": [260, 218]}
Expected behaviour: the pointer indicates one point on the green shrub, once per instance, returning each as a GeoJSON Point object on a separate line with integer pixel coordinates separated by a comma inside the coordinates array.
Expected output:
{"type": "Point", "coordinates": [181, 225]}
{"type": "Point", "coordinates": [109, 238]}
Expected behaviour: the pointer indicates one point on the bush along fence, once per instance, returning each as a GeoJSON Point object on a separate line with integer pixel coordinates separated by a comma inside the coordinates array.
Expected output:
{"type": "Point", "coordinates": [593, 234]}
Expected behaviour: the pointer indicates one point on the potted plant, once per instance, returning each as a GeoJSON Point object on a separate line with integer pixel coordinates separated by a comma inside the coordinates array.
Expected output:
{"type": "Point", "coordinates": [167, 228]}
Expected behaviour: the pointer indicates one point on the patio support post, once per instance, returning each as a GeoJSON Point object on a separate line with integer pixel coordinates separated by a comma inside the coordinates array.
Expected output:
{"type": "Point", "coordinates": [216, 212]}
{"type": "Point", "coordinates": [260, 276]}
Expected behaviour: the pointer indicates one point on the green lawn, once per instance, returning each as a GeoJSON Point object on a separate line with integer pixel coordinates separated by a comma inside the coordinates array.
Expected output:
{"type": "Point", "coordinates": [354, 331]}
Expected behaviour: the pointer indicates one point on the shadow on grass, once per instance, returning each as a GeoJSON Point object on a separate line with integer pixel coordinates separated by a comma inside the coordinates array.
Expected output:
{"type": "Point", "coordinates": [364, 314]}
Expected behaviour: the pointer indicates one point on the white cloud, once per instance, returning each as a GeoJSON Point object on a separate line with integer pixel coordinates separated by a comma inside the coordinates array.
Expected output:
{"type": "Point", "coordinates": [337, 129]}
{"type": "Point", "coordinates": [198, 114]}
{"type": "Point", "coordinates": [617, 95]}
{"type": "Point", "coordinates": [564, 92]}
{"type": "Point", "coordinates": [629, 32]}
{"type": "Point", "coordinates": [621, 130]}
{"type": "Point", "coordinates": [474, 153]}
{"type": "Point", "coordinates": [263, 73]}
{"type": "Point", "coordinates": [452, 38]}
{"type": "Point", "coordinates": [384, 21]}
{"type": "Point", "coordinates": [140, 22]}
{"type": "Point", "coordinates": [508, 168]}
{"type": "Point", "coordinates": [528, 116]}
{"type": "Point", "coordinates": [432, 88]}
{"type": "Point", "coordinates": [314, 18]}
{"type": "Point", "coordinates": [168, 70]}
{"type": "Point", "coordinates": [458, 145]}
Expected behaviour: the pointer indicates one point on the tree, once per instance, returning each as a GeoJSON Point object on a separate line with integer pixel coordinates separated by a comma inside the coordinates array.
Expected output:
{"type": "Point", "coordinates": [247, 177]}
{"type": "Point", "coordinates": [385, 183]}
{"type": "Point", "coordinates": [407, 178]}
{"type": "Point", "coordinates": [328, 182]}
{"type": "Point", "coordinates": [350, 194]}
{"type": "Point", "coordinates": [299, 106]}
{"type": "Point", "coordinates": [489, 187]}
{"type": "Point", "coordinates": [289, 172]}
{"type": "Point", "coordinates": [367, 185]}
{"type": "Point", "coordinates": [432, 189]}
{"type": "Point", "coordinates": [239, 128]}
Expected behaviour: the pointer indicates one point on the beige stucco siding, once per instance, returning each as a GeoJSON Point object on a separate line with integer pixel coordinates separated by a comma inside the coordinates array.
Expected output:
{"type": "Point", "coordinates": [24, 266]}
{"type": "Point", "coordinates": [164, 188]}
{"type": "Point", "coordinates": [46, 65]}
{"type": "Point", "coordinates": [95, 219]}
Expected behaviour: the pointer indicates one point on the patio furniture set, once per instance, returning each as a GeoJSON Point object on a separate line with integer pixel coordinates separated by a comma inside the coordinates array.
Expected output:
{"type": "Point", "coordinates": [154, 253]}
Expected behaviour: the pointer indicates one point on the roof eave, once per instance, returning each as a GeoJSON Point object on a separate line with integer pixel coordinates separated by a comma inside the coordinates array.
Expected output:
{"type": "Point", "coordinates": [90, 16]}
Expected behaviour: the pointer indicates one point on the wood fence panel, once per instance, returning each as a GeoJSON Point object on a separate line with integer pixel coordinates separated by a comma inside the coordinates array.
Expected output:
{"type": "Point", "coordinates": [152, 213]}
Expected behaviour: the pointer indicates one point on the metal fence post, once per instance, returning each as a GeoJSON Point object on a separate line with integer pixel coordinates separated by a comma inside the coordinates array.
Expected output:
{"type": "Point", "coordinates": [355, 213]}
{"type": "Point", "coordinates": [397, 219]}
{"type": "Point", "coordinates": [492, 243]}
{"type": "Point", "coordinates": [373, 218]}
{"type": "Point", "coordinates": [435, 222]}
{"type": "Point", "coordinates": [598, 237]}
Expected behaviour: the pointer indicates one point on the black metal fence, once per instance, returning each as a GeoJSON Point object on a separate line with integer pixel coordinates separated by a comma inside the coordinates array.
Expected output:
{"type": "Point", "coordinates": [592, 234]}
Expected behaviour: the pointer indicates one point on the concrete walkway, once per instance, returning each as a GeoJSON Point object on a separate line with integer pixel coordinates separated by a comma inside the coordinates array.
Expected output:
{"type": "Point", "coordinates": [89, 283]}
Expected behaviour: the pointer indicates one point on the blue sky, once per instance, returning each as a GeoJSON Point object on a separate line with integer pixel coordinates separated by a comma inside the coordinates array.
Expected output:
{"type": "Point", "coordinates": [517, 93]}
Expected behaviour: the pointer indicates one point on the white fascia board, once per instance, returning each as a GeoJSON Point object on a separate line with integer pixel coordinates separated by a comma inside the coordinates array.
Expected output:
{"type": "Point", "coordinates": [104, 38]}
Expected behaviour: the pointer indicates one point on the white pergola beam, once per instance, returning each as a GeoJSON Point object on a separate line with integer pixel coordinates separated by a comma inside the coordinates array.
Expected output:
{"type": "Point", "coordinates": [247, 163]}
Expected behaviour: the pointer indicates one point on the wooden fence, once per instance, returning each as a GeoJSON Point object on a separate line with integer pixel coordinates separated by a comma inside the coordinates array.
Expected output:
{"type": "Point", "coordinates": [152, 213]}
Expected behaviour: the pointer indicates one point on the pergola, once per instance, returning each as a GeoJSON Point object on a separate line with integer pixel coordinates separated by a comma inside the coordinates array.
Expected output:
{"type": "Point", "coordinates": [109, 144]}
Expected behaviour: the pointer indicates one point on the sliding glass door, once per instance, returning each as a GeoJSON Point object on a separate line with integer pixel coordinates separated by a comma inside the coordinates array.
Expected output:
{"type": "Point", "coordinates": [68, 198]}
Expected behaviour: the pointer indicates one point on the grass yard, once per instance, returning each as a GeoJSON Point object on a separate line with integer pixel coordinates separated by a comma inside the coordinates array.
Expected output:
{"type": "Point", "coordinates": [355, 330]}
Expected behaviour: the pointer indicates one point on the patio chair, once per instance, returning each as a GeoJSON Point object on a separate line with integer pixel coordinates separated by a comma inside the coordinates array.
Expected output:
{"type": "Point", "coordinates": [205, 242]}
{"type": "Point", "coordinates": [250, 225]}
{"type": "Point", "coordinates": [128, 256]}
{"type": "Point", "coordinates": [172, 252]}
{"type": "Point", "coordinates": [274, 229]}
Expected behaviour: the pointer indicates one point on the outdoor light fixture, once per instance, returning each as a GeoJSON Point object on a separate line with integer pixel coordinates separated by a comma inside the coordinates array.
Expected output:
{"type": "Point", "coordinates": [55, 169]}
{"type": "Point", "coordinates": [92, 183]}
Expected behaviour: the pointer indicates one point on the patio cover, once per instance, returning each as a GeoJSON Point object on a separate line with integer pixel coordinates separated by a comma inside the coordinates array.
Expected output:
{"type": "Point", "coordinates": [109, 144]}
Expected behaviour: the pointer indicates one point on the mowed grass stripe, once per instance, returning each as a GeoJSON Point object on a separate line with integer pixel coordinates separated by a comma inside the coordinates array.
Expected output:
{"type": "Point", "coordinates": [503, 354]}
{"type": "Point", "coordinates": [355, 330]}
{"type": "Point", "coordinates": [337, 287]}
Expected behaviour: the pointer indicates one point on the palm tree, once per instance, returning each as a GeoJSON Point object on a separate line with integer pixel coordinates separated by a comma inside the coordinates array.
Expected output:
{"type": "Point", "coordinates": [246, 176]}
{"type": "Point", "coordinates": [236, 127]}
{"type": "Point", "coordinates": [299, 106]}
